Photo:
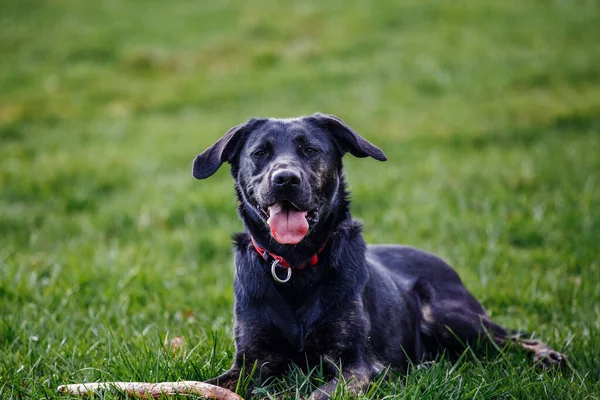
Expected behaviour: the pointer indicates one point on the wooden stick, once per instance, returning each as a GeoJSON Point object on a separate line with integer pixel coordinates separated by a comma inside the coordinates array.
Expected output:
{"type": "Point", "coordinates": [145, 390]}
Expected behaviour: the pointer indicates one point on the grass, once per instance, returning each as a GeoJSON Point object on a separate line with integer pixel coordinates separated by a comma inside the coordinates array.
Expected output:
{"type": "Point", "coordinates": [489, 113]}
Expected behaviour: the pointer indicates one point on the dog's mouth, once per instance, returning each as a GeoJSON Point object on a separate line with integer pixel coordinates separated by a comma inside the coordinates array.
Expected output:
{"type": "Point", "coordinates": [289, 223]}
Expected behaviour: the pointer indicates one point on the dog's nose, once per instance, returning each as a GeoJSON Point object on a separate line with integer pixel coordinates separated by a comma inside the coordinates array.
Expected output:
{"type": "Point", "coordinates": [286, 177]}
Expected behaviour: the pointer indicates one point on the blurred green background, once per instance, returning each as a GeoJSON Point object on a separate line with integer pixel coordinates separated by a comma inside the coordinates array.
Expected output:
{"type": "Point", "coordinates": [489, 113]}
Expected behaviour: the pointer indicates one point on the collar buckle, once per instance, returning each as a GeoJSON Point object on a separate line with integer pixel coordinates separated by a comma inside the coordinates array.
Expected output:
{"type": "Point", "coordinates": [279, 261]}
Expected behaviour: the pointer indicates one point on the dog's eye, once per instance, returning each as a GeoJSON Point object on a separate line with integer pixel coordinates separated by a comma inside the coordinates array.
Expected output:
{"type": "Point", "coordinates": [259, 153]}
{"type": "Point", "coordinates": [310, 150]}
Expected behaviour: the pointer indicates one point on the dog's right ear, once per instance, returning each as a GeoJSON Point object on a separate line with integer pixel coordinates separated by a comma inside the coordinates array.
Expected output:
{"type": "Point", "coordinates": [209, 161]}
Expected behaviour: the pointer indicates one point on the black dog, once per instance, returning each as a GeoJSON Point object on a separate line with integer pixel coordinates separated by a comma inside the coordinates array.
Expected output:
{"type": "Point", "coordinates": [308, 290]}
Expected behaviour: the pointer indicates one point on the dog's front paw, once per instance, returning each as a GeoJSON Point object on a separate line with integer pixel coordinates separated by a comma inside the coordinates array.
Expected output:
{"type": "Point", "coordinates": [319, 395]}
{"type": "Point", "coordinates": [229, 380]}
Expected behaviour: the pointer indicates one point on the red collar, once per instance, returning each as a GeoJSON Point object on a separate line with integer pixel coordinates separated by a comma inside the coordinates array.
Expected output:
{"type": "Point", "coordinates": [282, 261]}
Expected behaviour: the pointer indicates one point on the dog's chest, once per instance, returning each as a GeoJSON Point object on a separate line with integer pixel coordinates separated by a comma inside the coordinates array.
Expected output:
{"type": "Point", "coordinates": [324, 326]}
{"type": "Point", "coordinates": [328, 335]}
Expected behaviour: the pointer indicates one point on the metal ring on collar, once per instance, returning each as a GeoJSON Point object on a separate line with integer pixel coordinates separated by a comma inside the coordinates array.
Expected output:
{"type": "Point", "coordinates": [274, 273]}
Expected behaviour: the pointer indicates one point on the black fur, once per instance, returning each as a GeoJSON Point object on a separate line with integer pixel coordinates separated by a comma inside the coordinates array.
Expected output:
{"type": "Point", "coordinates": [363, 308]}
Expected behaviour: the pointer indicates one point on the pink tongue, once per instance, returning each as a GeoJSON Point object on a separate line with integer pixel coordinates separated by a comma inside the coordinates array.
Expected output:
{"type": "Point", "coordinates": [287, 226]}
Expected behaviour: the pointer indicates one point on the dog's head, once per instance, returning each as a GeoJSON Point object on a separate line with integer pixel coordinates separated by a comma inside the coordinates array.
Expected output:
{"type": "Point", "coordinates": [287, 171]}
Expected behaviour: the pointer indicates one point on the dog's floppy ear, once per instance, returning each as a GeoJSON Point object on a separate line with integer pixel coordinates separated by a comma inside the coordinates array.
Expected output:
{"type": "Point", "coordinates": [349, 140]}
{"type": "Point", "coordinates": [209, 161]}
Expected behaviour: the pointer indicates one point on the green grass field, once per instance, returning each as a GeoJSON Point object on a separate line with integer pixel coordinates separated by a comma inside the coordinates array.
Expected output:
{"type": "Point", "coordinates": [489, 113]}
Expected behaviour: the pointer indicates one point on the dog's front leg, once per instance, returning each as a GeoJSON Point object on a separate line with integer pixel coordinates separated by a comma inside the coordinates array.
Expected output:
{"type": "Point", "coordinates": [354, 380]}
{"type": "Point", "coordinates": [249, 372]}
{"type": "Point", "coordinates": [354, 372]}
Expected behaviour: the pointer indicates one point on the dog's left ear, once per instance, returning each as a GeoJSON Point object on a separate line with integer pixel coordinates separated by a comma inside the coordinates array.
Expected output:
{"type": "Point", "coordinates": [349, 140]}
{"type": "Point", "coordinates": [209, 161]}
